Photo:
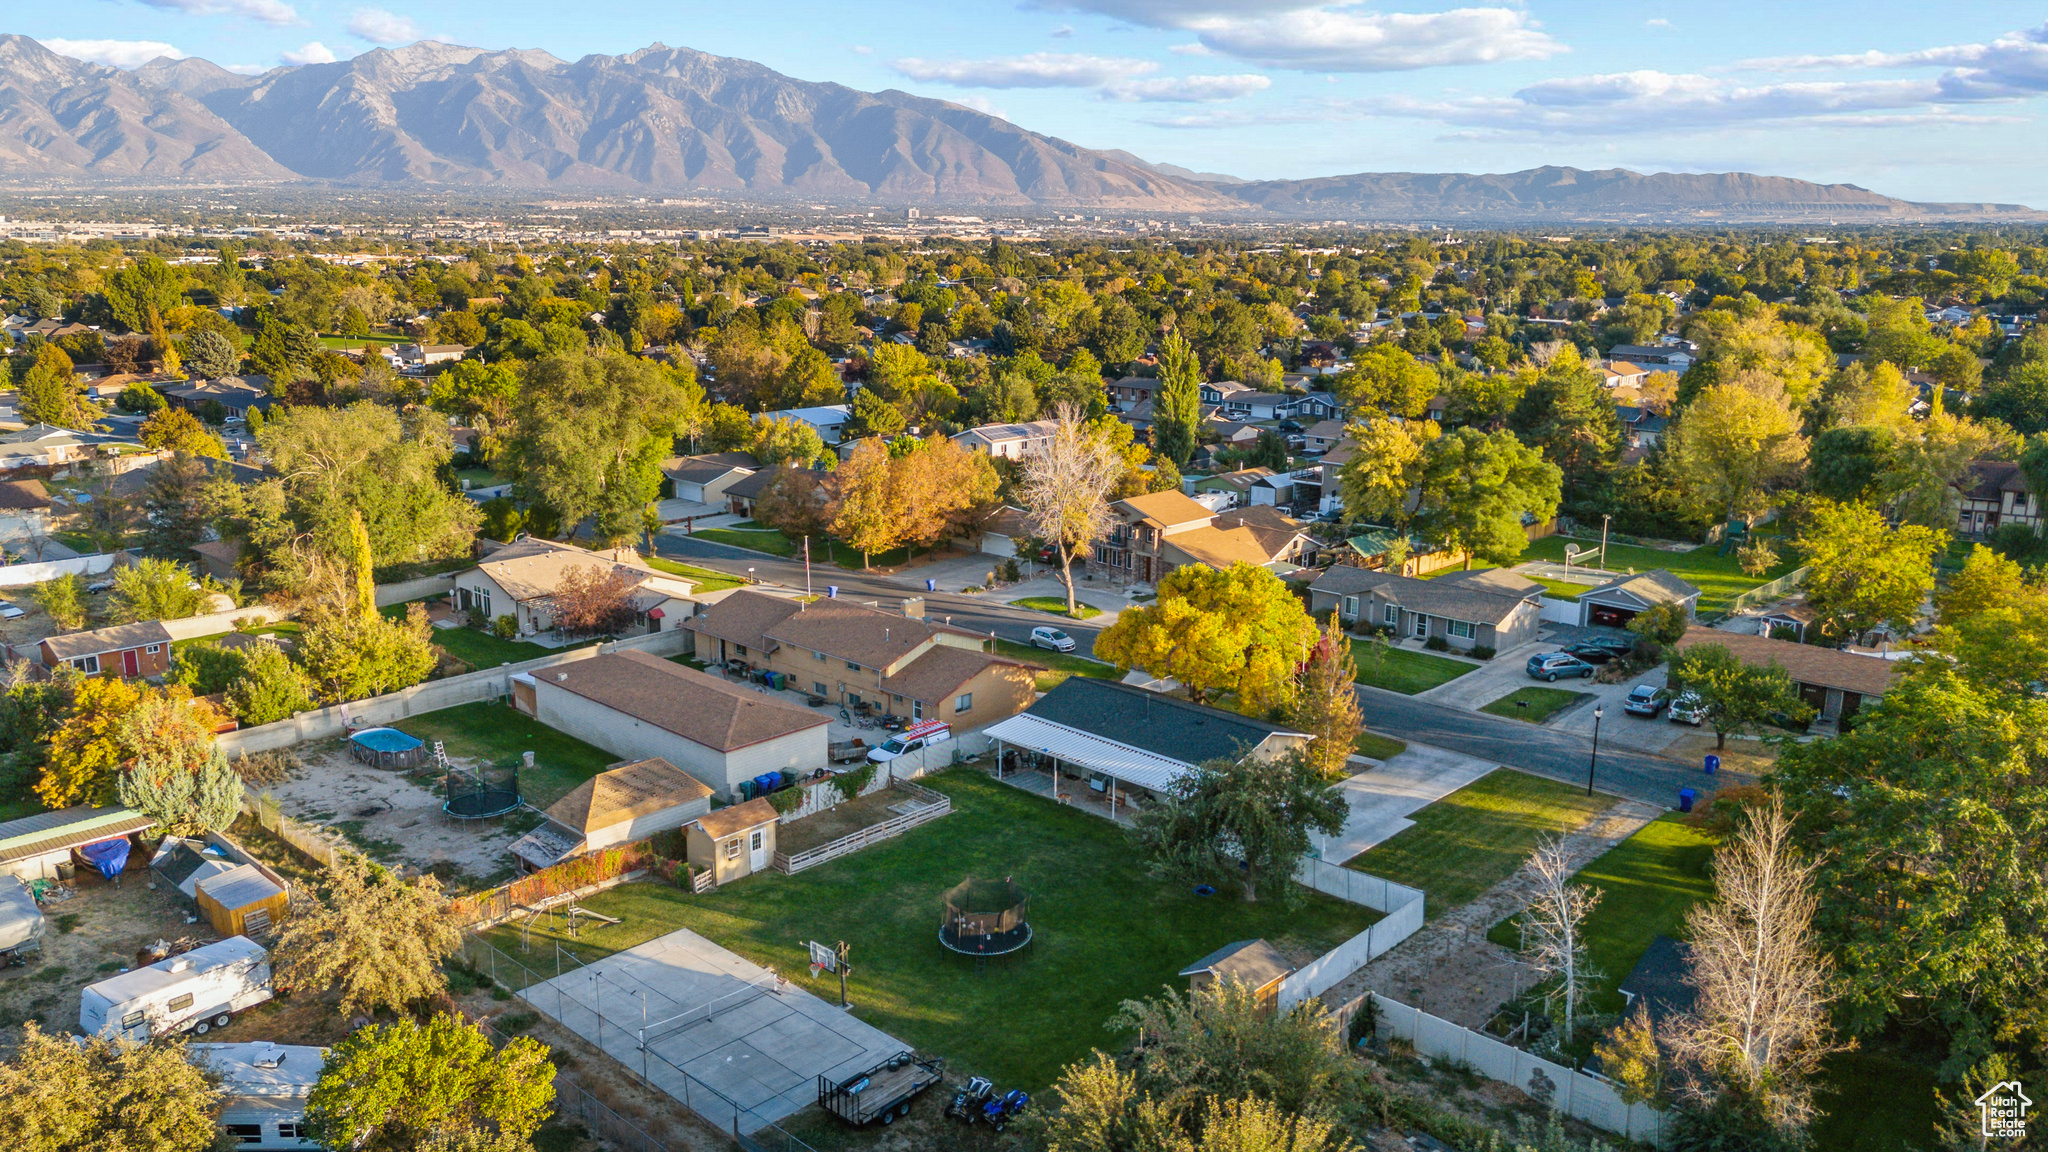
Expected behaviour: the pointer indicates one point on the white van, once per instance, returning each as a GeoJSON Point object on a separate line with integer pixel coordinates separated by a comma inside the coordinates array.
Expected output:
{"type": "Point", "coordinates": [197, 991]}
{"type": "Point", "coordinates": [911, 739]}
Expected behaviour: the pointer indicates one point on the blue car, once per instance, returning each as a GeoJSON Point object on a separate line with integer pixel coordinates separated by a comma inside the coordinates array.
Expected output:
{"type": "Point", "coordinates": [1552, 665]}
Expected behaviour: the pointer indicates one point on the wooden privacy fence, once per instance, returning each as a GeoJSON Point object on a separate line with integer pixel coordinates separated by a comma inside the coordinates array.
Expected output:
{"type": "Point", "coordinates": [581, 876]}
{"type": "Point", "coordinates": [1401, 904]}
{"type": "Point", "coordinates": [932, 805]}
{"type": "Point", "coordinates": [315, 843]}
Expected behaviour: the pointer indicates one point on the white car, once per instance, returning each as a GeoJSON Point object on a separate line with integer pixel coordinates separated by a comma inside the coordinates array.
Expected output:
{"type": "Point", "coordinates": [1047, 637]}
{"type": "Point", "coordinates": [10, 611]}
{"type": "Point", "coordinates": [1688, 709]}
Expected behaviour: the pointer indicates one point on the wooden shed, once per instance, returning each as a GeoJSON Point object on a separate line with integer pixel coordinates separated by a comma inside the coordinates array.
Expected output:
{"type": "Point", "coordinates": [1254, 963]}
{"type": "Point", "coordinates": [736, 841]}
{"type": "Point", "coordinates": [242, 901]}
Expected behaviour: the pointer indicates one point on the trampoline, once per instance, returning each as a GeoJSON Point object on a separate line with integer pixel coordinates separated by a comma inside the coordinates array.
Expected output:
{"type": "Point", "coordinates": [471, 797]}
{"type": "Point", "coordinates": [387, 748]}
{"type": "Point", "coordinates": [986, 918]}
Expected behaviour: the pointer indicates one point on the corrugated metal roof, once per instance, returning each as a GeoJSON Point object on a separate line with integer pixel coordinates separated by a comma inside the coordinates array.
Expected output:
{"type": "Point", "coordinates": [71, 828]}
{"type": "Point", "coordinates": [1132, 765]}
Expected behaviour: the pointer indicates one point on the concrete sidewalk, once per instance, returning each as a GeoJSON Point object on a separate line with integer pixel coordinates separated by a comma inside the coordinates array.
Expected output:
{"type": "Point", "coordinates": [1382, 799]}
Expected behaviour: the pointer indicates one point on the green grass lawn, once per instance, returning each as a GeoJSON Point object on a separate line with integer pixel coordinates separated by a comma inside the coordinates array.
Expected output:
{"type": "Point", "coordinates": [288, 628]}
{"type": "Point", "coordinates": [478, 648]}
{"type": "Point", "coordinates": [480, 477]}
{"type": "Point", "coordinates": [1059, 665]}
{"type": "Point", "coordinates": [759, 539]}
{"type": "Point", "coordinates": [15, 807]}
{"type": "Point", "coordinates": [500, 734]}
{"type": "Point", "coordinates": [359, 341]}
{"type": "Point", "coordinates": [1400, 670]}
{"type": "Point", "coordinates": [1542, 703]}
{"type": "Point", "coordinates": [1105, 930]}
{"type": "Point", "coordinates": [1477, 836]}
{"type": "Point", "coordinates": [1719, 578]}
{"type": "Point", "coordinates": [1377, 747]}
{"type": "Point", "coordinates": [1647, 883]}
{"type": "Point", "coordinates": [1057, 605]}
{"type": "Point", "coordinates": [707, 580]}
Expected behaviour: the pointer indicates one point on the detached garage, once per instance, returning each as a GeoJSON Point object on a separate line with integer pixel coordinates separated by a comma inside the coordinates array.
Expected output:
{"type": "Point", "coordinates": [1615, 603]}
{"type": "Point", "coordinates": [617, 806]}
{"type": "Point", "coordinates": [642, 707]}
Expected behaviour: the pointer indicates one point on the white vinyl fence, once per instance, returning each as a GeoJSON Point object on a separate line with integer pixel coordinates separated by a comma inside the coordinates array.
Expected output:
{"type": "Point", "coordinates": [434, 695]}
{"type": "Point", "coordinates": [1556, 611]}
{"type": "Point", "coordinates": [1403, 908]}
{"type": "Point", "coordinates": [217, 623]}
{"type": "Point", "coordinates": [1578, 1094]}
{"type": "Point", "coordinates": [420, 589]}
{"type": "Point", "coordinates": [17, 575]}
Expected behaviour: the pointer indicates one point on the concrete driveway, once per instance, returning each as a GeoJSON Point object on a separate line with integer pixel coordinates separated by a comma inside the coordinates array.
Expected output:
{"type": "Point", "coordinates": [1490, 681]}
{"type": "Point", "coordinates": [1617, 727]}
{"type": "Point", "coordinates": [1382, 799]}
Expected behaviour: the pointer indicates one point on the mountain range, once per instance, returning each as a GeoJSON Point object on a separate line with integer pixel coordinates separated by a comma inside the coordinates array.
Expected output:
{"type": "Point", "coordinates": [664, 119]}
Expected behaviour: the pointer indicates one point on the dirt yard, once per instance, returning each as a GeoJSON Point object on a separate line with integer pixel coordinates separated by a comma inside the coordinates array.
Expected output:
{"type": "Point", "coordinates": [91, 935]}
{"type": "Point", "coordinates": [1742, 761]}
{"type": "Point", "coordinates": [396, 817]}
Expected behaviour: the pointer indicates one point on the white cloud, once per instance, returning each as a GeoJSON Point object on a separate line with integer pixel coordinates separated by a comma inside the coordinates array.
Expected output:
{"type": "Point", "coordinates": [2014, 66]}
{"type": "Point", "coordinates": [984, 105]}
{"type": "Point", "coordinates": [381, 27]}
{"type": "Point", "coordinates": [1341, 40]}
{"type": "Point", "coordinates": [313, 52]}
{"type": "Point", "coordinates": [1037, 70]}
{"type": "Point", "coordinates": [114, 53]}
{"type": "Point", "coordinates": [1169, 13]}
{"type": "Point", "coordinates": [1658, 22]}
{"type": "Point", "coordinates": [863, 50]}
{"type": "Point", "coordinates": [1191, 50]}
{"type": "Point", "coordinates": [268, 11]}
{"type": "Point", "coordinates": [1063, 32]}
{"type": "Point", "coordinates": [1186, 89]}
{"type": "Point", "coordinates": [247, 69]}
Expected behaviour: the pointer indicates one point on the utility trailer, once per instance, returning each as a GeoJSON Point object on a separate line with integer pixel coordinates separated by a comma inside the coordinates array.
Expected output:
{"type": "Point", "coordinates": [883, 1093]}
{"type": "Point", "coordinates": [195, 991]}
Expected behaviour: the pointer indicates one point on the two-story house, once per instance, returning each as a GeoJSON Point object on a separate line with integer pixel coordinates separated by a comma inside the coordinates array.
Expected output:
{"type": "Point", "coordinates": [899, 661]}
{"type": "Point", "coordinates": [1995, 493]}
{"type": "Point", "coordinates": [1244, 402]}
{"type": "Point", "coordinates": [1154, 534]}
{"type": "Point", "coordinates": [1130, 391]}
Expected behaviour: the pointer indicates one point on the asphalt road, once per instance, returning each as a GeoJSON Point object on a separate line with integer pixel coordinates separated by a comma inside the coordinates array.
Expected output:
{"type": "Point", "coordinates": [1529, 747]}
{"type": "Point", "coordinates": [970, 612]}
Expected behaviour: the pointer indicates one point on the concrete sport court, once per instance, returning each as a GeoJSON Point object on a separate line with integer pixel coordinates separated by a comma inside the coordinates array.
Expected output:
{"type": "Point", "coordinates": [715, 1021]}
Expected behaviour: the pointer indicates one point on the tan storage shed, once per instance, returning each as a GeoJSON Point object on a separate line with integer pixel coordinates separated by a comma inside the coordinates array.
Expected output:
{"type": "Point", "coordinates": [242, 901]}
{"type": "Point", "coordinates": [736, 841]}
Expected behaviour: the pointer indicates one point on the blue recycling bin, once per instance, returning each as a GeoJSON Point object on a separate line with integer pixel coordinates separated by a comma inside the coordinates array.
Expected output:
{"type": "Point", "coordinates": [831, 591]}
{"type": "Point", "coordinates": [1713, 764]}
{"type": "Point", "coordinates": [931, 585]}
{"type": "Point", "coordinates": [1685, 798]}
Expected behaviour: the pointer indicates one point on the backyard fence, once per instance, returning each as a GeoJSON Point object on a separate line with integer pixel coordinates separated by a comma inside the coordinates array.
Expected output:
{"type": "Point", "coordinates": [1765, 593]}
{"type": "Point", "coordinates": [1555, 611]}
{"type": "Point", "coordinates": [824, 795]}
{"type": "Point", "coordinates": [316, 844]}
{"type": "Point", "coordinates": [432, 696]}
{"type": "Point", "coordinates": [1577, 1094]}
{"type": "Point", "coordinates": [580, 877]}
{"type": "Point", "coordinates": [1401, 904]}
{"type": "Point", "coordinates": [404, 590]}
{"type": "Point", "coordinates": [574, 1105]}
{"type": "Point", "coordinates": [932, 805]}
{"type": "Point", "coordinates": [17, 575]}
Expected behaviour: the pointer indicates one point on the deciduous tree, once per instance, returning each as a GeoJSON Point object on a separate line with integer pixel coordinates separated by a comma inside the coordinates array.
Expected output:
{"type": "Point", "coordinates": [870, 509]}
{"type": "Point", "coordinates": [154, 589]}
{"type": "Point", "coordinates": [434, 1086]}
{"type": "Point", "coordinates": [1734, 445]}
{"type": "Point", "coordinates": [594, 428]}
{"type": "Point", "coordinates": [1237, 630]}
{"type": "Point", "coordinates": [1384, 476]}
{"type": "Point", "coordinates": [350, 656]}
{"type": "Point", "coordinates": [1065, 491]}
{"type": "Point", "coordinates": [1478, 486]}
{"type": "Point", "coordinates": [1387, 381]}
{"type": "Point", "coordinates": [591, 600]}
{"type": "Point", "coordinates": [50, 394]}
{"type": "Point", "coordinates": [1240, 817]}
{"type": "Point", "coordinates": [64, 598]}
{"type": "Point", "coordinates": [1864, 572]}
{"type": "Point", "coordinates": [377, 938]}
{"type": "Point", "coordinates": [1734, 696]}
{"type": "Point", "coordinates": [69, 1094]}
{"type": "Point", "coordinates": [1177, 402]}
{"type": "Point", "coordinates": [1326, 702]}
{"type": "Point", "coordinates": [1553, 934]}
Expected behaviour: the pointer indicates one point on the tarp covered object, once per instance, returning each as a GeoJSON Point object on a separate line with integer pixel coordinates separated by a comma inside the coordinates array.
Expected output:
{"type": "Point", "coordinates": [109, 856]}
{"type": "Point", "coordinates": [20, 919]}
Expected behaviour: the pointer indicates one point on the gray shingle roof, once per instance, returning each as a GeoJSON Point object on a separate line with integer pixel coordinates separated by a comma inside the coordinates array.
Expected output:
{"type": "Point", "coordinates": [1162, 725]}
{"type": "Point", "coordinates": [1653, 587]}
{"type": "Point", "coordinates": [1487, 596]}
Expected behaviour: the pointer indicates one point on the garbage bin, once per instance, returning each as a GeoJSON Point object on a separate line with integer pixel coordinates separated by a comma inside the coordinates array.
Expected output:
{"type": "Point", "coordinates": [1713, 763]}
{"type": "Point", "coordinates": [831, 591]}
{"type": "Point", "coordinates": [931, 585]}
{"type": "Point", "coordinates": [66, 870]}
{"type": "Point", "coordinates": [1685, 798]}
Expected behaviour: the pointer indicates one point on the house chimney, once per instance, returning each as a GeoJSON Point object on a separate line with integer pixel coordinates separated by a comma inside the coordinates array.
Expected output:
{"type": "Point", "coordinates": [913, 607]}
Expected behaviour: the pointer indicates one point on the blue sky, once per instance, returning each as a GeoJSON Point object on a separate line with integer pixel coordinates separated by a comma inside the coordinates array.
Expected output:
{"type": "Point", "coordinates": [1927, 101]}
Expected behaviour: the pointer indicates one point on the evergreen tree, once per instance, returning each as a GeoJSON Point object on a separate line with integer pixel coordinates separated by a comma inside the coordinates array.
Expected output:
{"type": "Point", "coordinates": [1177, 404]}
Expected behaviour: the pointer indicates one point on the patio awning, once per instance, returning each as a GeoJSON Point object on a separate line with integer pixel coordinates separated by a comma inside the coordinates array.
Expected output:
{"type": "Point", "coordinates": [654, 613]}
{"type": "Point", "coordinates": [1147, 770]}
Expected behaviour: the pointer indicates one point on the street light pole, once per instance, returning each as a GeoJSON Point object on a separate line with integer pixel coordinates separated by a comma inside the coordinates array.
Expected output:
{"type": "Point", "coordinates": [1598, 711]}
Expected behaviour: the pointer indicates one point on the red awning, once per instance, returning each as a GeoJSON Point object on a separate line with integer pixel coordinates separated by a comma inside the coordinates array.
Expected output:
{"type": "Point", "coordinates": [654, 613]}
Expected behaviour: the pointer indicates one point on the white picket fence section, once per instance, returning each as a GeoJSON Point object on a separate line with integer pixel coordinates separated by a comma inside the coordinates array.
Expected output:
{"type": "Point", "coordinates": [1578, 1094]}
{"type": "Point", "coordinates": [1401, 904]}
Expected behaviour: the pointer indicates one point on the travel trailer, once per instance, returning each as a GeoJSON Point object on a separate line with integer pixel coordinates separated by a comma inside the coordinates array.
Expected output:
{"type": "Point", "coordinates": [196, 991]}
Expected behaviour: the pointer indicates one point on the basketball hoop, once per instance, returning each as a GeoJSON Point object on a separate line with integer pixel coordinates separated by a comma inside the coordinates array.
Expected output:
{"type": "Point", "coordinates": [817, 970]}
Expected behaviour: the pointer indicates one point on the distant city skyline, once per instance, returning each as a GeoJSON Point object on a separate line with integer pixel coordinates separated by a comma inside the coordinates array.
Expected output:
{"type": "Point", "coordinates": [1912, 101]}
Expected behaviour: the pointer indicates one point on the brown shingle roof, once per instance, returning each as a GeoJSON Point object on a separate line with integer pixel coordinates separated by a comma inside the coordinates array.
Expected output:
{"type": "Point", "coordinates": [866, 636]}
{"type": "Point", "coordinates": [118, 638]}
{"type": "Point", "coordinates": [940, 672]}
{"type": "Point", "coordinates": [26, 495]}
{"type": "Point", "coordinates": [533, 568]}
{"type": "Point", "coordinates": [1166, 509]}
{"type": "Point", "coordinates": [731, 821]}
{"type": "Point", "coordinates": [619, 794]}
{"type": "Point", "coordinates": [690, 704]}
{"type": "Point", "coordinates": [700, 469]}
{"type": "Point", "coordinates": [1007, 521]}
{"type": "Point", "coordinates": [1805, 663]}
{"type": "Point", "coordinates": [1255, 962]}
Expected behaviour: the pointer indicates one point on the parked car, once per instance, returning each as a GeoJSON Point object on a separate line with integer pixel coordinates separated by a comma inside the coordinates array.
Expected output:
{"type": "Point", "coordinates": [1552, 665]}
{"type": "Point", "coordinates": [1592, 653]}
{"type": "Point", "coordinates": [1047, 637]}
{"type": "Point", "coordinates": [1290, 425]}
{"type": "Point", "coordinates": [1619, 645]}
{"type": "Point", "coordinates": [10, 611]}
{"type": "Point", "coordinates": [1646, 700]}
{"type": "Point", "coordinates": [100, 586]}
{"type": "Point", "coordinates": [911, 739]}
{"type": "Point", "coordinates": [1688, 709]}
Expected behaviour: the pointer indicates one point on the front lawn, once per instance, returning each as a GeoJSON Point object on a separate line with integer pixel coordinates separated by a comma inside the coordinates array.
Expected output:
{"type": "Point", "coordinates": [1401, 670]}
{"type": "Point", "coordinates": [759, 539]}
{"type": "Point", "coordinates": [1105, 930]}
{"type": "Point", "coordinates": [1534, 704]}
{"type": "Point", "coordinates": [705, 578]}
{"type": "Point", "coordinates": [501, 734]}
{"type": "Point", "coordinates": [1057, 605]}
{"type": "Point", "coordinates": [1647, 884]}
{"type": "Point", "coordinates": [1059, 665]}
{"type": "Point", "coordinates": [1374, 746]}
{"type": "Point", "coordinates": [1477, 836]}
{"type": "Point", "coordinates": [1719, 578]}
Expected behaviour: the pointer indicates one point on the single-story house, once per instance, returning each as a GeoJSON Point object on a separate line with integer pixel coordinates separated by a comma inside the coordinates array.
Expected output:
{"type": "Point", "coordinates": [1659, 981]}
{"type": "Point", "coordinates": [1798, 615]}
{"type": "Point", "coordinates": [33, 846]}
{"type": "Point", "coordinates": [520, 580]}
{"type": "Point", "coordinates": [236, 394]}
{"type": "Point", "coordinates": [416, 357]}
{"type": "Point", "coordinates": [617, 806]}
{"type": "Point", "coordinates": [1009, 441]}
{"type": "Point", "coordinates": [1130, 391]}
{"type": "Point", "coordinates": [1674, 357]}
{"type": "Point", "coordinates": [48, 446]}
{"type": "Point", "coordinates": [1142, 741]}
{"type": "Point", "coordinates": [1256, 964]}
{"type": "Point", "coordinates": [741, 493]}
{"type": "Point", "coordinates": [1231, 434]}
{"type": "Point", "coordinates": [264, 1087]}
{"type": "Point", "coordinates": [1834, 683]}
{"type": "Point", "coordinates": [1489, 607]}
{"type": "Point", "coordinates": [1243, 401]}
{"type": "Point", "coordinates": [643, 707]}
{"type": "Point", "coordinates": [1004, 530]}
{"type": "Point", "coordinates": [124, 650]}
{"type": "Point", "coordinates": [830, 420]}
{"type": "Point", "coordinates": [734, 842]}
{"type": "Point", "coordinates": [704, 479]}
{"type": "Point", "coordinates": [1322, 436]}
{"type": "Point", "coordinates": [23, 505]}
{"type": "Point", "coordinates": [1617, 602]}
{"type": "Point", "coordinates": [1318, 406]}
{"type": "Point", "coordinates": [1621, 373]}
{"type": "Point", "coordinates": [1237, 486]}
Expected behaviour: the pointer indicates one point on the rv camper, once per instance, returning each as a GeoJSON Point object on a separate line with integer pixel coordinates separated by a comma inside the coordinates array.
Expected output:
{"type": "Point", "coordinates": [21, 922]}
{"type": "Point", "coordinates": [196, 991]}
